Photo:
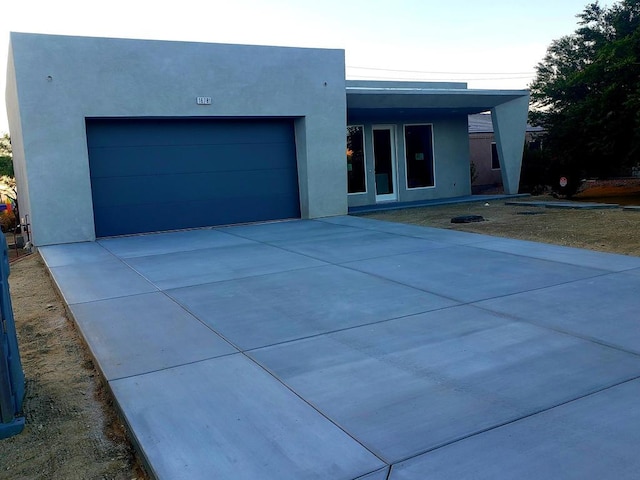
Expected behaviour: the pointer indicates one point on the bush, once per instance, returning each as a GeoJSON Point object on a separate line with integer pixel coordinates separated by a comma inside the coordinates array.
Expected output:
{"type": "Point", "coordinates": [8, 221]}
{"type": "Point", "coordinates": [535, 172]}
{"type": "Point", "coordinates": [540, 173]}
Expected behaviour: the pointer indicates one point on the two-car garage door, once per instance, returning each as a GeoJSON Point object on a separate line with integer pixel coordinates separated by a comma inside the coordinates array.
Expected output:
{"type": "Point", "coordinates": [151, 175]}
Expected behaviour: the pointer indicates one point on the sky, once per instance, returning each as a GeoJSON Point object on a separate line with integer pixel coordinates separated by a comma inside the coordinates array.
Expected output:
{"type": "Point", "coordinates": [493, 44]}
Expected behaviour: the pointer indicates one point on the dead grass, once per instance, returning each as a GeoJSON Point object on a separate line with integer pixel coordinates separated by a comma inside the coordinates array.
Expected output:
{"type": "Point", "coordinates": [615, 231]}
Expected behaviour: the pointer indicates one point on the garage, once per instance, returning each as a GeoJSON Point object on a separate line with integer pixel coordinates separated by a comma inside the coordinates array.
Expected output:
{"type": "Point", "coordinates": [150, 175]}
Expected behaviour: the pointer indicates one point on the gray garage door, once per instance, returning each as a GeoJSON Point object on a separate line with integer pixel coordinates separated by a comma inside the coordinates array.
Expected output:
{"type": "Point", "coordinates": [150, 175]}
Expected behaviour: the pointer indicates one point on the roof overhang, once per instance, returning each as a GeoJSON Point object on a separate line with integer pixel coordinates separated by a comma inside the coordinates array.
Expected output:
{"type": "Point", "coordinates": [411, 98]}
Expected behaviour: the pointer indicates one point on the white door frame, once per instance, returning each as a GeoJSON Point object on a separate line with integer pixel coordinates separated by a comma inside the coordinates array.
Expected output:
{"type": "Point", "coordinates": [387, 197]}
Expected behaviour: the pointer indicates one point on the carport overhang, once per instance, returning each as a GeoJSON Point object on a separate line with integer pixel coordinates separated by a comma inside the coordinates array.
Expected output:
{"type": "Point", "coordinates": [411, 101]}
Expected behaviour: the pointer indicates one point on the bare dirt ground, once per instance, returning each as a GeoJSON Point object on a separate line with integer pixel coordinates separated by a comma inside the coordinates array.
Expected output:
{"type": "Point", "coordinates": [616, 230]}
{"type": "Point", "coordinates": [72, 431]}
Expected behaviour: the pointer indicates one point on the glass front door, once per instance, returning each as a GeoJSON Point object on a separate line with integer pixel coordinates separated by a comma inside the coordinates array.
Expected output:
{"type": "Point", "coordinates": [384, 158]}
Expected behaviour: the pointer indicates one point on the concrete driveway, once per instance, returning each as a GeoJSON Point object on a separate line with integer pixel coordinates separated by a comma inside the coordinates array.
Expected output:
{"type": "Point", "coordinates": [348, 348]}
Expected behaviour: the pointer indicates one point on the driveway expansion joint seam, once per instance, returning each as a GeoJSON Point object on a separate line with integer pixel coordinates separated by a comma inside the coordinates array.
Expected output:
{"type": "Point", "coordinates": [284, 249]}
{"type": "Point", "coordinates": [406, 235]}
{"type": "Point", "coordinates": [478, 245]}
{"type": "Point", "coordinates": [171, 367]}
{"type": "Point", "coordinates": [520, 319]}
{"type": "Point", "coordinates": [515, 420]}
{"type": "Point", "coordinates": [345, 329]}
{"type": "Point", "coordinates": [462, 302]}
{"type": "Point", "coordinates": [281, 382]}
{"type": "Point", "coordinates": [84, 302]}
{"type": "Point", "coordinates": [295, 269]}
{"type": "Point", "coordinates": [536, 289]}
{"type": "Point", "coordinates": [406, 285]}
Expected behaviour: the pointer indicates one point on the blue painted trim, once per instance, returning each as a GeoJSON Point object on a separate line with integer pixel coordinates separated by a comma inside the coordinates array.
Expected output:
{"type": "Point", "coordinates": [11, 375]}
{"type": "Point", "coordinates": [12, 428]}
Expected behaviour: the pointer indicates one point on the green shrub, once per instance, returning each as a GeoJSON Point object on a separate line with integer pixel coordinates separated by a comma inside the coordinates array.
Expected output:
{"type": "Point", "coordinates": [8, 221]}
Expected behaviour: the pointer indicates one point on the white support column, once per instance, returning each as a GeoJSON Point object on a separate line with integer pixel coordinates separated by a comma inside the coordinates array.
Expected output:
{"type": "Point", "coordinates": [510, 125]}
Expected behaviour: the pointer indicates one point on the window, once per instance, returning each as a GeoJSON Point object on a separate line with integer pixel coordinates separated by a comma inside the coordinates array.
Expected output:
{"type": "Point", "coordinates": [495, 162]}
{"type": "Point", "coordinates": [356, 178]}
{"type": "Point", "coordinates": [418, 140]}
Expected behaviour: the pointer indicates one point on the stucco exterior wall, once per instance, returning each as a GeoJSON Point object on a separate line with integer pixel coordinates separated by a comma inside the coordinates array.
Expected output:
{"type": "Point", "coordinates": [450, 152]}
{"type": "Point", "coordinates": [58, 81]}
{"type": "Point", "coordinates": [480, 155]}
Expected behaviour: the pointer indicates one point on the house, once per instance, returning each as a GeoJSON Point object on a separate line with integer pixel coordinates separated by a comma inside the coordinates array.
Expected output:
{"type": "Point", "coordinates": [120, 136]}
{"type": "Point", "coordinates": [483, 151]}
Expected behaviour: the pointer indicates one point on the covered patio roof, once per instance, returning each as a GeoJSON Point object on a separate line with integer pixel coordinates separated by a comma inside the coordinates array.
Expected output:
{"type": "Point", "coordinates": [385, 101]}
{"type": "Point", "coordinates": [404, 97]}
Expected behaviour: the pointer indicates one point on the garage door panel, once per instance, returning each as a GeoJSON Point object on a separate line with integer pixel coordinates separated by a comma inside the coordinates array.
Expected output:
{"type": "Point", "coordinates": [121, 191]}
{"type": "Point", "coordinates": [175, 215]}
{"type": "Point", "coordinates": [162, 132]}
{"type": "Point", "coordinates": [125, 161]}
{"type": "Point", "coordinates": [156, 175]}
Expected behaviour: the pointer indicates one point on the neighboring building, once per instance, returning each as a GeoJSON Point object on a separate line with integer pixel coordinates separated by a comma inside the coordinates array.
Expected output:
{"type": "Point", "coordinates": [483, 151]}
{"type": "Point", "coordinates": [116, 136]}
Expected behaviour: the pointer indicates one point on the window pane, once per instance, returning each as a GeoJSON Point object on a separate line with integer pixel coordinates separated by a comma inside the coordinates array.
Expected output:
{"type": "Point", "coordinates": [355, 160]}
{"type": "Point", "coordinates": [419, 148]}
{"type": "Point", "coordinates": [383, 161]}
{"type": "Point", "coordinates": [495, 163]}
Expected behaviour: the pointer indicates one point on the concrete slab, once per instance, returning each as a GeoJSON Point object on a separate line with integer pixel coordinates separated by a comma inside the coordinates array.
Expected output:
{"type": "Point", "coordinates": [571, 308]}
{"type": "Point", "coordinates": [226, 418]}
{"type": "Point", "coordinates": [573, 256]}
{"type": "Point", "coordinates": [526, 203]}
{"type": "Point", "coordinates": [287, 230]}
{"type": "Point", "coordinates": [74, 253]}
{"type": "Point", "coordinates": [268, 309]}
{"type": "Point", "coordinates": [379, 475]}
{"type": "Point", "coordinates": [410, 385]}
{"type": "Point", "coordinates": [569, 205]}
{"type": "Point", "coordinates": [593, 437]}
{"type": "Point", "coordinates": [376, 352]}
{"type": "Point", "coordinates": [170, 242]}
{"type": "Point", "coordinates": [356, 245]}
{"type": "Point", "coordinates": [635, 271]}
{"type": "Point", "coordinates": [86, 282]}
{"type": "Point", "coordinates": [469, 274]}
{"type": "Point", "coordinates": [118, 332]}
{"type": "Point", "coordinates": [434, 234]}
{"type": "Point", "coordinates": [353, 221]}
{"type": "Point", "coordinates": [429, 203]}
{"type": "Point", "coordinates": [196, 267]}
{"type": "Point", "coordinates": [582, 205]}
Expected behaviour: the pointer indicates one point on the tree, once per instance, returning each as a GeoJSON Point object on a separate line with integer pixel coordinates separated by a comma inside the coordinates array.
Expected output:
{"type": "Point", "coordinates": [6, 163]}
{"type": "Point", "coordinates": [586, 94]}
{"type": "Point", "coordinates": [8, 183]}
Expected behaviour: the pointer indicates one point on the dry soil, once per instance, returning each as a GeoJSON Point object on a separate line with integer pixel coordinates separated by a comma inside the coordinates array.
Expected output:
{"type": "Point", "coordinates": [610, 230]}
{"type": "Point", "coordinates": [72, 431]}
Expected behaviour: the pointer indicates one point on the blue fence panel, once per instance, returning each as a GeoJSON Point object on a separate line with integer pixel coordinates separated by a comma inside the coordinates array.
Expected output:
{"type": "Point", "coordinates": [11, 375]}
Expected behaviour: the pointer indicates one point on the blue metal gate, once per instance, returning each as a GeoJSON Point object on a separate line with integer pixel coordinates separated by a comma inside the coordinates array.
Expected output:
{"type": "Point", "coordinates": [11, 376]}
